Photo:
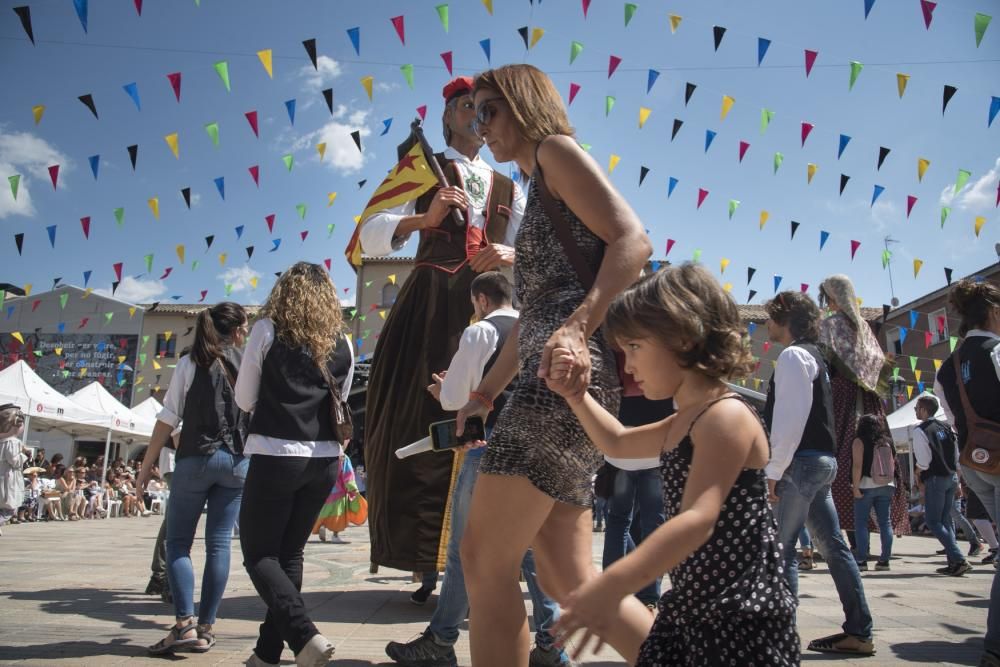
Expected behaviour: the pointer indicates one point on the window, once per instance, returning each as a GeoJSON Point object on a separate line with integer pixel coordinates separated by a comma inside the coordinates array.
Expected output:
{"type": "Point", "coordinates": [389, 293]}
{"type": "Point", "coordinates": [937, 324]}
{"type": "Point", "coordinates": [892, 342]}
{"type": "Point", "coordinates": [164, 347]}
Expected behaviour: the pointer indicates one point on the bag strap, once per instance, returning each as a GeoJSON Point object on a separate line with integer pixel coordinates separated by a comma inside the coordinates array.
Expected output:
{"type": "Point", "coordinates": [560, 224]}
{"type": "Point", "coordinates": [225, 372]}
{"type": "Point", "coordinates": [966, 406]}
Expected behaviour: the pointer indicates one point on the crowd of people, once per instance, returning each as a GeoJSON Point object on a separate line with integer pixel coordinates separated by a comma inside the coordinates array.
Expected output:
{"type": "Point", "coordinates": [725, 494]}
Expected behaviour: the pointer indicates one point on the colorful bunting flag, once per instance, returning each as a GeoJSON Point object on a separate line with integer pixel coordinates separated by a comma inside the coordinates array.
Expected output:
{"type": "Point", "coordinates": [212, 129]}
{"type": "Point", "coordinates": [222, 69]}
{"type": "Point", "coordinates": [856, 68]}
{"type": "Point", "coordinates": [810, 60]}
{"type": "Point", "coordinates": [175, 84]}
{"type": "Point", "coordinates": [265, 59]}
{"type": "Point", "coordinates": [675, 22]}
{"type": "Point", "coordinates": [927, 9]}
{"type": "Point", "coordinates": [949, 92]}
{"type": "Point", "coordinates": [355, 36]}
{"type": "Point", "coordinates": [613, 63]}
{"type": "Point", "coordinates": [727, 105]}
{"type": "Point", "coordinates": [979, 25]}
{"type": "Point", "coordinates": [171, 140]}
{"type": "Point", "coordinates": [24, 14]}
{"type": "Point", "coordinates": [399, 23]}
{"type": "Point", "coordinates": [922, 164]}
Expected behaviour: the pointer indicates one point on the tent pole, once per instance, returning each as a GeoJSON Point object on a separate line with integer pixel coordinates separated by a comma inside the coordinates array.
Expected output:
{"type": "Point", "coordinates": [27, 425]}
{"type": "Point", "coordinates": [107, 449]}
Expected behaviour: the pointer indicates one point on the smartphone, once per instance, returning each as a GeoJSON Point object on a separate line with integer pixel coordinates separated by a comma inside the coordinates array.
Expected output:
{"type": "Point", "coordinates": [443, 433]}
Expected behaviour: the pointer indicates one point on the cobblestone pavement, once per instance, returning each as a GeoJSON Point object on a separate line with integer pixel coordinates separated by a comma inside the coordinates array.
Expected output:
{"type": "Point", "coordinates": [72, 594]}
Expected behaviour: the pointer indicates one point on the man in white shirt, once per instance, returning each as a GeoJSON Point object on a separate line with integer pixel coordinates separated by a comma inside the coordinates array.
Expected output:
{"type": "Point", "coordinates": [407, 497]}
{"type": "Point", "coordinates": [799, 416]}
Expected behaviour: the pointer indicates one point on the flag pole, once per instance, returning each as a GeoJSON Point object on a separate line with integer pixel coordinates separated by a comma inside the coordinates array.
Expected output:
{"type": "Point", "coordinates": [418, 132]}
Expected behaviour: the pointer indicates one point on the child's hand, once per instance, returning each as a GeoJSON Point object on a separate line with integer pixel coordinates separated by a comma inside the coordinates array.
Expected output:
{"type": "Point", "coordinates": [592, 608]}
{"type": "Point", "coordinates": [558, 378]}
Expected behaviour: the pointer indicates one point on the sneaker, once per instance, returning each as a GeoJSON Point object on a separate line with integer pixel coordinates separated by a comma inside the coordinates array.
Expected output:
{"type": "Point", "coordinates": [990, 558]}
{"type": "Point", "coordinates": [863, 566]}
{"type": "Point", "coordinates": [975, 549]}
{"type": "Point", "coordinates": [955, 569]}
{"type": "Point", "coordinates": [420, 596]}
{"type": "Point", "coordinates": [940, 552]}
{"type": "Point", "coordinates": [548, 657]}
{"type": "Point", "coordinates": [881, 566]}
{"type": "Point", "coordinates": [424, 651]}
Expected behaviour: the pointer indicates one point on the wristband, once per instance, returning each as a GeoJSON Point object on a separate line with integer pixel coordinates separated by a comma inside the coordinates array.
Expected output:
{"type": "Point", "coordinates": [482, 398]}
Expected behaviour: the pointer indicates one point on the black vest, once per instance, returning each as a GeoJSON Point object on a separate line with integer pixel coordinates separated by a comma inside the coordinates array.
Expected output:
{"type": "Point", "coordinates": [942, 446]}
{"type": "Point", "coordinates": [980, 378]}
{"type": "Point", "coordinates": [294, 399]}
{"type": "Point", "coordinates": [503, 325]}
{"type": "Point", "coordinates": [211, 417]}
{"type": "Point", "coordinates": [818, 434]}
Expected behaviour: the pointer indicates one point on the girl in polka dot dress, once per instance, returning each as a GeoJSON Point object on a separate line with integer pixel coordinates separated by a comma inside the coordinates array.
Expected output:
{"type": "Point", "coordinates": [729, 603]}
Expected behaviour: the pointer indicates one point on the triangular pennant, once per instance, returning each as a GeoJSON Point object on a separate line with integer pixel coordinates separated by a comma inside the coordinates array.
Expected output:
{"type": "Point", "coordinates": [301, 208]}
{"type": "Point", "coordinates": [173, 144]}
{"type": "Point", "coordinates": [945, 212]}
{"type": "Point", "coordinates": [120, 216]}
{"type": "Point", "coordinates": [367, 82]}
{"type": "Point", "coordinates": [310, 46]}
{"type": "Point", "coordinates": [733, 205]}
{"type": "Point", "coordinates": [356, 136]}
{"type": "Point", "coordinates": [766, 115]}
{"type": "Point", "coordinates": [689, 89]}
{"type": "Point", "coordinates": [927, 8]}
{"type": "Point", "coordinates": [265, 59]}
{"type": "Point", "coordinates": [81, 12]}
{"type": "Point", "coordinates": [727, 105]}
{"type": "Point", "coordinates": [910, 201]}
{"type": "Point", "coordinates": [398, 22]}
{"type": "Point", "coordinates": [651, 78]}
{"type": "Point", "coordinates": [947, 275]}
{"type": "Point", "coordinates": [328, 98]}
{"type": "Point", "coordinates": [718, 32]}
{"type": "Point", "coordinates": [442, 12]}
{"type": "Point", "coordinates": [220, 185]}
{"type": "Point", "coordinates": [643, 171]}
{"type": "Point", "coordinates": [14, 181]}
{"type": "Point", "coordinates": [186, 193]}
{"type": "Point", "coordinates": [175, 84]}
{"type": "Point", "coordinates": [523, 32]}
{"type": "Point", "coordinates": [877, 192]}
{"type": "Point", "coordinates": [355, 36]}
{"type": "Point", "coordinates": [132, 90]}
{"type": "Point", "coordinates": [255, 174]}
{"type": "Point", "coordinates": [949, 92]}
{"type": "Point", "coordinates": [795, 228]}
{"type": "Point", "coordinates": [743, 149]}
{"type": "Point", "coordinates": [447, 58]}
{"type": "Point", "coordinates": [222, 69]}
{"type": "Point", "coordinates": [613, 63]}
{"type": "Point", "coordinates": [180, 252]}
{"type": "Point", "coordinates": [677, 128]}
{"type": "Point", "coordinates": [154, 206]}
{"type": "Point", "coordinates": [51, 229]}
{"type": "Point", "coordinates": [675, 22]}
{"type": "Point", "coordinates": [24, 14]}
{"type": "Point", "coordinates": [133, 154]}
{"type": "Point", "coordinates": [212, 129]}
{"type": "Point", "coordinates": [979, 24]}
{"type": "Point", "coordinates": [917, 263]}
{"type": "Point", "coordinates": [994, 109]}
{"type": "Point", "coordinates": [702, 194]}
{"type": "Point", "coordinates": [289, 160]}
{"type": "Point", "coordinates": [823, 238]}
{"type": "Point", "coordinates": [856, 68]}
{"type": "Point", "coordinates": [764, 215]}
{"type": "Point", "coordinates": [407, 71]}
{"type": "Point", "coordinates": [854, 248]}
{"type": "Point", "coordinates": [54, 175]}
{"type": "Point", "coordinates": [901, 81]}
{"type": "Point", "coordinates": [387, 123]}
{"type": "Point", "coordinates": [922, 165]}
{"type": "Point", "coordinates": [290, 108]}
{"type": "Point", "coordinates": [810, 172]}
{"type": "Point", "coordinates": [609, 104]}
{"type": "Point", "coordinates": [709, 138]}
{"type": "Point", "coordinates": [777, 282]}
{"type": "Point", "coordinates": [804, 132]}
{"type": "Point", "coordinates": [778, 159]}
{"type": "Point", "coordinates": [630, 8]}
{"type": "Point", "coordinates": [671, 184]}
{"type": "Point", "coordinates": [844, 178]}
{"type": "Point", "coordinates": [85, 223]}
{"type": "Point", "coordinates": [762, 46]}
{"type": "Point", "coordinates": [95, 164]}
{"type": "Point", "coordinates": [810, 60]}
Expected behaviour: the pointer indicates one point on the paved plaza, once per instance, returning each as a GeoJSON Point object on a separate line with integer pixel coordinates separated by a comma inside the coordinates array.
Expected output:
{"type": "Point", "coordinates": [72, 594]}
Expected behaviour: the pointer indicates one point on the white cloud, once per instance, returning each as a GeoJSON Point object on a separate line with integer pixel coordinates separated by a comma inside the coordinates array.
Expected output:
{"type": "Point", "coordinates": [327, 69]}
{"type": "Point", "coordinates": [30, 156]}
{"type": "Point", "coordinates": [135, 290]}
{"type": "Point", "coordinates": [386, 87]}
{"type": "Point", "coordinates": [195, 199]}
{"type": "Point", "coordinates": [976, 196]}
{"type": "Point", "coordinates": [239, 278]}
{"type": "Point", "coordinates": [342, 154]}
{"type": "Point", "coordinates": [348, 300]}
{"type": "Point", "coordinates": [885, 213]}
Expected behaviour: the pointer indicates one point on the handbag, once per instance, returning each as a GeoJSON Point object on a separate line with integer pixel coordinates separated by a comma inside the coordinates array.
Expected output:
{"type": "Point", "coordinates": [340, 412]}
{"type": "Point", "coordinates": [561, 227]}
{"type": "Point", "coordinates": [981, 450]}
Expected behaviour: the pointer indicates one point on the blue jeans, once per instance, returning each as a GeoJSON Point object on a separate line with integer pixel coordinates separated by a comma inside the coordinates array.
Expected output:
{"type": "Point", "coordinates": [939, 499]}
{"type": "Point", "coordinates": [600, 511]}
{"type": "Point", "coordinates": [218, 480]}
{"type": "Point", "coordinates": [642, 488]}
{"type": "Point", "coordinates": [880, 498]}
{"type": "Point", "coordinates": [453, 600]}
{"type": "Point", "coordinates": [804, 540]}
{"type": "Point", "coordinates": [805, 500]}
{"type": "Point", "coordinates": [987, 488]}
{"type": "Point", "coordinates": [962, 521]}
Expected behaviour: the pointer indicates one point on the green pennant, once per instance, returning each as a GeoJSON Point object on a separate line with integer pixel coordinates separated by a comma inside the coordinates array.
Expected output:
{"type": "Point", "coordinates": [63, 298]}
{"type": "Point", "coordinates": [352, 312]}
{"type": "Point", "coordinates": [609, 104]}
{"type": "Point", "coordinates": [142, 356]}
{"type": "Point", "coordinates": [301, 208]}
{"type": "Point", "coordinates": [855, 71]}
{"type": "Point", "coordinates": [886, 256]}
{"type": "Point", "coordinates": [38, 353]}
{"type": "Point", "coordinates": [222, 69]}
{"type": "Point", "coordinates": [981, 21]}
{"type": "Point", "coordinates": [329, 230]}
{"type": "Point", "coordinates": [213, 133]}
{"type": "Point", "coordinates": [194, 265]}
{"type": "Point", "coordinates": [108, 316]}
{"type": "Point", "coordinates": [895, 372]}
{"type": "Point", "coordinates": [368, 283]}
{"type": "Point", "coordinates": [913, 363]}
{"type": "Point", "coordinates": [696, 255]}
{"type": "Point", "coordinates": [407, 71]}
{"type": "Point", "coordinates": [952, 342]}
{"type": "Point", "coordinates": [145, 339]}
{"type": "Point", "coordinates": [733, 205]}
{"type": "Point", "coordinates": [229, 290]}
{"type": "Point", "coordinates": [442, 11]}
{"type": "Point", "coordinates": [630, 8]}
{"type": "Point", "coordinates": [149, 263]}
{"type": "Point", "coordinates": [65, 374]}
{"type": "Point", "coordinates": [765, 119]}
{"type": "Point", "coordinates": [288, 160]}
{"type": "Point", "coordinates": [585, 147]}
{"type": "Point", "coordinates": [963, 178]}
{"type": "Point", "coordinates": [14, 180]}
{"type": "Point", "coordinates": [120, 216]}
{"type": "Point", "coordinates": [945, 212]}
{"type": "Point", "coordinates": [574, 50]}
{"type": "Point", "coordinates": [778, 159]}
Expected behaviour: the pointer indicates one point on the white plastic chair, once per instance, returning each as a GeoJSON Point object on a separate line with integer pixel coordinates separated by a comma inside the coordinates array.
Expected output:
{"type": "Point", "coordinates": [156, 506]}
{"type": "Point", "coordinates": [113, 507]}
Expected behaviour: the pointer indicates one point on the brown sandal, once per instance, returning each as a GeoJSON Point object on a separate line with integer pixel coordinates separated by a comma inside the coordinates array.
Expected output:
{"type": "Point", "coordinates": [843, 643]}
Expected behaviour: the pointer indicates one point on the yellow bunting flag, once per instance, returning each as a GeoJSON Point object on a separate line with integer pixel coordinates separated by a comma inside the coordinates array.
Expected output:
{"type": "Point", "coordinates": [171, 140]}
{"type": "Point", "coordinates": [937, 365]}
{"type": "Point", "coordinates": [16, 335]}
{"type": "Point", "coordinates": [167, 335]}
{"type": "Point", "coordinates": [727, 104]}
{"type": "Point", "coordinates": [613, 162]}
{"type": "Point", "coordinates": [37, 111]}
{"type": "Point", "coordinates": [222, 259]}
{"type": "Point", "coordinates": [180, 252]}
{"type": "Point", "coordinates": [536, 34]}
{"type": "Point", "coordinates": [917, 373]}
{"type": "Point", "coordinates": [131, 312]}
{"type": "Point", "coordinates": [810, 172]}
{"type": "Point", "coordinates": [156, 366]}
{"type": "Point", "coordinates": [643, 116]}
{"type": "Point", "coordinates": [87, 292]}
{"type": "Point", "coordinates": [381, 314]}
{"type": "Point", "coordinates": [675, 22]}
{"type": "Point", "coordinates": [265, 60]}
{"type": "Point", "coordinates": [917, 263]}
{"type": "Point", "coordinates": [901, 81]}
{"type": "Point", "coordinates": [392, 278]}
{"type": "Point", "coordinates": [764, 215]}
{"type": "Point", "coordinates": [27, 289]}
{"type": "Point", "coordinates": [980, 221]}
{"type": "Point", "coordinates": [330, 198]}
{"type": "Point", "coordinates": [909, 391]}
{"type": "Point", "coordinates": [253, 282]}
{"type": "Point", "coordinates": [723, 263]}
{"type": "Point", "coordinates": [154, 206]}
{"type": "Point", "coordinates": [728, 287]}
{"type": "Point", "coordinates": [922, 164]}
{"type": "Point", "coordinates": [367, 82]}
{"type": "Point", "coordinates": [321, 149]}
{"type": "Point", "coordinates": [489, 6]}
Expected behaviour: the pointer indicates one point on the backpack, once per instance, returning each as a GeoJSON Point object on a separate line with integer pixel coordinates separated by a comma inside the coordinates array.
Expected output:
{"type": "Point", "coordinates": [883, 463]}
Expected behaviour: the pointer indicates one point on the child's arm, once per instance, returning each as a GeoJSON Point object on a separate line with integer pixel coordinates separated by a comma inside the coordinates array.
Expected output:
{"type": "Point", "coordinates": [858, 453]}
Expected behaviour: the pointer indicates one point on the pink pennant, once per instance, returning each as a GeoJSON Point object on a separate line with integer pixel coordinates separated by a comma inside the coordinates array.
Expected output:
{"type": "Point", "coordinates": [54, 175]}
{"type": "Point", "coordinates": [166, 273]}
{"type": "Point", "coordinates": [806, 129]}
{"type": "Point", "coordinates": [118, 271]}
{"type": "Point", "coordinates": [810, 60]}
{"type": "Point", "coordinates": [613, 63]}
{"type": "Point", "coordinates": [928, 339]}
{"type": "Point", "coordinates": [270, 222]}
{"type": "Point", "coordinates": [586, 6]}
{"type": "Point", "coordinates": [138, 7]}
{"type": "Point", "coordinates": [767, 346]}
{"type": "Point", "coordinates": [327, 263]}
{"type": "Point", "coordinates": [252, 119]}
{"type": "Point", "coordinates": [998, 195]}
{"type": "Point", "coordinates": [122, 343]}
{"type": "Point", "coordinates": [446, 57]}
{"type": "Point", "coordinates": [743, 149]}
{"type": "Point", "coordinates": [397, 23]}
{"type": "Point", "coordinates": [670, 244]}
{"type": "Point", "coordinates": [255, 174]}
{"type": "Point", "coordinates": [940, 324]}
{"type": "Point", "coordinates": [85, 223]}
{"type": "Point", "coordinates": [854, 247]}
{"type": "Point", "coordinates": [574, 88]}
{"type": "Point", "coordinates": [83, 323]}
{"type": "Point", "coordinates": [304, 234]}
{"type": "Point", "coordinates": [910, 201]}
{"type": "Point", "coordinates": [34, 305]}
{"type": "Point", "coordinates": [804, 287]}
{"type": "Point", "coordinates": [927, 8]}
{"type": "Point", "coordinates": [702, 193]}
{"type": "Point", "coordinates": [204, 293]}
{"type": "Point", "coordinates": [372, 307]}
{"type": "Point", "coordinates": [175, 83]}
{"type": "Point", "coordinates": [422, 111]}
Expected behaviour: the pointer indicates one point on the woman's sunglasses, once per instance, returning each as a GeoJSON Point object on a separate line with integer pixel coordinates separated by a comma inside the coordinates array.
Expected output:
{"type": "Point", "coordinates": [486, 111]}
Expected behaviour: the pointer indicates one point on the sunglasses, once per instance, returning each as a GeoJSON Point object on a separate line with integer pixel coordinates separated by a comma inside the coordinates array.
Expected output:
{"type": "Point", "coordinates": [486, 111]}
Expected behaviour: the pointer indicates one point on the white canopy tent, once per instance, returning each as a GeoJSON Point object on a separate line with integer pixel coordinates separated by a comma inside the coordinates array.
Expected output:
{"type": "Point", "coordinates": [95, 397]}
{"type": "Point", "coordinates": [147, 410]}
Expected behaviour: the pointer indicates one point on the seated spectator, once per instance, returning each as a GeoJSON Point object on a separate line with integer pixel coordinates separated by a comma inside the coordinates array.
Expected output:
{"type": "Point", "coordinates": [29, 510]}
{"type": "Point", "coordinates": [71, 495]}
{"type": "Point", "coordinates": [52, 500]}
{"type": "Point", "coordinates": [39, 460]}
{"type": "Point", "coordinates": [56, 467]}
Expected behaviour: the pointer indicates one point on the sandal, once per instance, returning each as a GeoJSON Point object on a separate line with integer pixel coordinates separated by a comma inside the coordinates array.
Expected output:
{"type": "Point", "coordinates": [208, 636]}
{"type": "Point", "coordinates": [174, 641]}
{"type": "Point", "coordinates": [843, 643]}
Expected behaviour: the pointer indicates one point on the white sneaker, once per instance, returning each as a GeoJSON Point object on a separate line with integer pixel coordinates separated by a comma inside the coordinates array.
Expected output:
{"type": "Point", "coordinates": [316, 653]}
{"type": "Point", "coordinates": [322, 533]}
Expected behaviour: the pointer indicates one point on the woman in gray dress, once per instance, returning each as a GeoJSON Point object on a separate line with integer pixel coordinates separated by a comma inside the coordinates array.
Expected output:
{"type": "Point", "coordinates": [12, 458]}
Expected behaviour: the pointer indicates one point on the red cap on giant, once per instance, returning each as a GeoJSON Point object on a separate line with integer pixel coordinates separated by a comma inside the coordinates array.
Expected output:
{"type": "Point", "coordinates": [460, 85]}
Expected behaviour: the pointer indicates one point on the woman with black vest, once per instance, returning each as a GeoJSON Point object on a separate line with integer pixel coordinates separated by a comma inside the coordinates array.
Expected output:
{"type": "Point", "coordinates": [209, 468]}
{"type": "Point", "coordinates": [978, 360]}
{"type": "Point", "coordinates": [297, 360]}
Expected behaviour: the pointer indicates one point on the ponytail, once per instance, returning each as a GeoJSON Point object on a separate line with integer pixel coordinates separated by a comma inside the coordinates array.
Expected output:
{"type": "Point", "coordinates": [214, 329]}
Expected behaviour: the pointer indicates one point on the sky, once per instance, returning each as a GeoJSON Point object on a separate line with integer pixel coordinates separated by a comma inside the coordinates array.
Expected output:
{"type": "Point", "coordinates": [121, 47]}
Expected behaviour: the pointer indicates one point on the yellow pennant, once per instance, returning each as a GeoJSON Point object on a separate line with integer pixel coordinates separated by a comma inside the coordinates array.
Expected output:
{"type": "Point", "coordinates": [131, 312]}
{"type": "Point", "coordinates": [728, 287]}
{"type": "Point", "coordinates": [980, 221]}
{"type": "Point", "coordinates": [154, 206]}
{"type": "Point", "coordinates": [536, 34]}
{"type": "Point", "coordinates": [121, 359]}
{"type": "Point", "coordinates": [723, 263]}
{"type": "Point", "coordinates": [937, 365]}
{"type": "Point", "coordinates": [27, 289]}
{"type": "Point", "coordinates": [922, 164]}
{"type": "Point", "coordinates": [613, 162]}
{"type": "Point", "coordinates": [810, 172]}
{"type": "Point", "coordinates": [83, 372]}
{"type": "Point", "coordinates": [321, 148]}
{"type": "Point", "coordinates": [156, 366]}
{"type": "Point", "coordinates": [16, 335]}
{"type": "Point", "coordinates": [171, 140]}
{"type": "Point", "coordinates": [727, 104]}
{"type": "Point", "coordinates": [675, 22]}
{"type": "Point", "coordinates": [350, 339]}
{"type": "Point", "coordinates": [381, 314]}
{"type": "Point", "coordinates": [58, 351]}
{"type": "Point", "coordinates": [643, 116]}
{"type": "Point", "coordinates": [392, 278]}
{"type": "Point", "coordinates": [901, 81]}
{"type": "Point", "coordinates": [330, 197]}
{"type": "Point", "coordinates": [87, 292]}
{"type": "Point", "coordinates": [265, 60]}
{"type": "Point", "coordinates": [38, 111]}
{"type": "Point", "coordinates": [909, 391]}
{"type": "Point", "coordinates": [917, 263]}
{"type": "Point", "coordinates": [489, 6]}
{"type": "Point", "coordinates": [917, 373]}
{"type": "Point", "coordinates": [764, 215]}
{"type": "Point", "coordinates": [167, 335]}
{"type": "Point", "coordinates": [222, 259]}
{"type": "Point", "coordinates": [367, 82]}
{"type": "Point", "coordinates": [253, 282]}
{"type": "Point", "coordinates": [180, 252]}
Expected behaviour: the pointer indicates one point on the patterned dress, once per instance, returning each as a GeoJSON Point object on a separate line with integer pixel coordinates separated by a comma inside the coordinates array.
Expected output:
{"type": "Point", "coordinates": [537, 436]}
{"type": "Point", "coordinates": [729, 603]}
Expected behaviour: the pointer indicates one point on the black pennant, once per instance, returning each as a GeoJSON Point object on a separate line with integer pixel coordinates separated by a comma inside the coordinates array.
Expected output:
{"type": "Point", "coordinates": [328, 96]}
{"type": "Point", "coordinates": [362, 182]}
{"type": "Point", "coordinates": [523, 32]}
{"type": "Point", "coordinates": [249, 252]}
{"type": "Point", "coordinates": [186, 193]}
{"type": "Point", "coordinates": [114, 286]}
{"type": "Point", "coordinates": [356, 135]}
{"type": "Point", "coordinates": [947, 274]}
{"type": "Point", "coordinates": [88, 101]}
{"type": "Point", "coordinates": [885, 311]}
{"type": "Point", "coordinates": [189, 330]}
{"type": "Point", "coordinates": [949, 92]}
{"type": "Point", "coordinates": [24, 13]}
{"type": "Point", "coordinates": [718, 32]}
{"type": "Point", "coordinates": [642, 174]}
{"type": "Point", "coordinates": [677, 128]}
{"type": "Point", "coordinates": [19, 241]}
{"type": "Point", "coordinates": [795, 228]}
{"type": "Point", "coordinates": [310, 45]}
{"type": "Point", "coordinates": [753, 293]}
{"type": "Point", "coordinates": [55, 282]}
{"type": "Point", "coordinates": [883, 152]}
{"type": "Point", "coordinates": [750, 272]}
{"type": "Point", "coordinates": [133, 154]}
{"type": "Point", "coordinates": [843, 182]}
{"type": "Point", "coordinates": [208, 241]}
{"type": "Point", "coordinates": [688, 92]}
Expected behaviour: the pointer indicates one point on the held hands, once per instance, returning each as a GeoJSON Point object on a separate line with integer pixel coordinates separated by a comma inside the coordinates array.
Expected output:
{"type": "Point", "coordinates": [857, 493]}
{"type": "Point", "coordinates": [443, 202]}
{"type": "Point", "coordinates": [568, 373]}
{"type": "Point", "coordinates": [491, 257]}
{"type": "Point", "coordinates": [592, 608]}
{"type": "Point", "coordinates": [772, 497]}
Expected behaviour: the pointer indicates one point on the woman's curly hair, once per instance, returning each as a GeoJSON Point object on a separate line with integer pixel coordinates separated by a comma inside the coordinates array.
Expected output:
{"type": "Point", "coordinates": [687, 310]}
{"type": "Point", "coordinates": [305, 310]}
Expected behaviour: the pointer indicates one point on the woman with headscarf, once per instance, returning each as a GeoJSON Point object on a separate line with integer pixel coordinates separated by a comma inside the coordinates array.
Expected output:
{"type": "Point", "coordinates": [858, 374]}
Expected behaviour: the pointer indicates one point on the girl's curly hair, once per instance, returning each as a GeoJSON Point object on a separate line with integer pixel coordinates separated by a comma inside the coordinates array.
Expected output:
{"type": "Point", "coordinates": [305, 310]}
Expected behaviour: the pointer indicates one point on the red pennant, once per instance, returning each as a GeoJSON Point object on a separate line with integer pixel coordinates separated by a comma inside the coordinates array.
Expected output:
{"type": "Point", "coordinates": [670, 244]}
{"type": "Point", "coordinates": [940, 324]}
{"type": "Point", "coordinates": [175, 83]}
{"type": "Point", "coordinates": [928, 339]}
{"type": "Point", "coordinates": [767, 346]}
{"type": "Point", "coordinates": [122, 343]}
{"type": "Point", "coordinates": [204, 293]}
{"type": "Point", "coordinates": [327, 262]}
{"type": "Point", "coordinates": [166, 273]}
{"type": "Point", "coordinates": [613, 63]}
{"type": "Point", "coordinates": [374, 306]}
{"type": "Point", "coordinates": [83, 323]}
{"type": "Point", "coordinates": [810, 60]}
{"type": "Point", "coordinates": [446, 57]}
{"type": "Point", "coordinates": [54, 175]}
{"type": "Point", "coordinates": [85, 223]}
{"type": "Point", "coordinates": [927, 8]}
{"type": "Point", "coordinates": [804, 287]}
{"type": "Point", "coordinates": [34, 305]}
{"type": "Point", "coordinates": [806, 129]}
{"type": "Point", "coordinates": [138, 7]}
{"type": "Point", "coordinates": [574, 88]}
{"type": "Point", "coordinates": [397, 23]}
{"type": "Point", "coordinates": [255, 174]}
{"type": "Point", "coordinates": [702, 193]}
{"type": "Point", "coordinates": [118, 271]}
{"type": "Point", "coordinates": [854, 247]}
{"type": "Point", "coordinates": [586, 6]}
{"type": "Point", "coordinates": [422, 111]}
{"type": "Point", "coordinates": [743, 149]}
{"type": "Point", "coordinates": [304, 234]}
{"type": "Point", "coordinates": [910, 201]}
{"type": "Point", "coordinates": [270, 222]}
{"type": "Point", "coordinates": [252, 119]}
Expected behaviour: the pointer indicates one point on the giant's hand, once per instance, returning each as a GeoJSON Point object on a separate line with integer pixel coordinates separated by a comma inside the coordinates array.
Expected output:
{"type": "Point", "coordinates": [443, 202]}
{"type": "Point", "coordinates": [492, 257]}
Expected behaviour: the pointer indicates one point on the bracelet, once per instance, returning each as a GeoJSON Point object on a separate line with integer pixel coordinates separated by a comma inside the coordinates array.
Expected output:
{"type": "Point", "coordinates": [482, 398]}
